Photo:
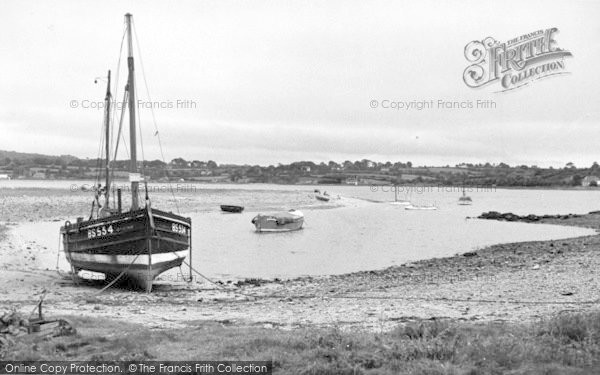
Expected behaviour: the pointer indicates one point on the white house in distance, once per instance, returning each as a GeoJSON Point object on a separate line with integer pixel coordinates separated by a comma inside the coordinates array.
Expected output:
{"type": "Point", "coordinates": [4, 177]}
{"type": "Point", "coordinates": [590, 180]}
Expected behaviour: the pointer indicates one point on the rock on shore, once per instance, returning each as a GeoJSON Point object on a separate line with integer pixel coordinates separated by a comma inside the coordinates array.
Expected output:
{"type": "Point", "coordinates": [509, 216]}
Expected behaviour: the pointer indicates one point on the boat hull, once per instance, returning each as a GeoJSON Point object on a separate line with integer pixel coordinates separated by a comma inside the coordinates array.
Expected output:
{"type": "Point", "coordinates": [465, 201]}
{"type": "Point", "coordinates": [278, 222]}
{"type": "Point", "coordinates": [137, 245]}
{"type": "Point", "coordinates": [422, 208]}
{"type": "Point", "coordinates": [232, 209]}
{"type": "Point", "coordinates": [267, 227]}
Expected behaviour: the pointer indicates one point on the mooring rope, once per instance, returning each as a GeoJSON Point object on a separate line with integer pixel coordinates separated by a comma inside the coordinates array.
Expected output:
{"type": "Point", "coordinates": [118, 277]}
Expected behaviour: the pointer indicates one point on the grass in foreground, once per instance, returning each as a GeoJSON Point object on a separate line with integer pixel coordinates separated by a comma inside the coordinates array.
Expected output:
{"type": "Point", "coordinates": [566, 344]}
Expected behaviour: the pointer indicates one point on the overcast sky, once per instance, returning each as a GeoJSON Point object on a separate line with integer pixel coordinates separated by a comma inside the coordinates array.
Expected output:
{"type": "Point", "coordinates": [280, 81]}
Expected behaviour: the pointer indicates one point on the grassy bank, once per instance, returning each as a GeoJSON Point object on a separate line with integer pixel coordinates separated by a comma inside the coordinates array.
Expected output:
{"type": "Point", "coordinates": [565, 344]}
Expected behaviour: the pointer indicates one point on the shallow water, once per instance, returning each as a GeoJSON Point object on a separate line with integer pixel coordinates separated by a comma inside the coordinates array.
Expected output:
{"type": "Point", "coordinates": [360, 231]}
{"type": "Point", "coordinates": [371, 236]}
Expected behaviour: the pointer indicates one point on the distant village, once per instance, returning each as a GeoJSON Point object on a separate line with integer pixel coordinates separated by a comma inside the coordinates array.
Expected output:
{"type": "Point", "coordinates": [14, 165]}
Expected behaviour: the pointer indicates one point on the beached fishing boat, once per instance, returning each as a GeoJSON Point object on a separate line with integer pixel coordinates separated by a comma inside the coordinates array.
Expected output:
{"type": "Point", "coordinates": [279, 222]}
{"type": "Point", "coordinates": [232, 208]}
{"type": "Point", "coordinates": [465, 200]}
{"type": "Point", "coordinates": [136, 244]}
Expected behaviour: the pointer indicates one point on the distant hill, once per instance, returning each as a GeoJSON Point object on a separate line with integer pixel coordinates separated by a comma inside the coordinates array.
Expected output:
{"type": "Point", "coordinates": [25, 157]}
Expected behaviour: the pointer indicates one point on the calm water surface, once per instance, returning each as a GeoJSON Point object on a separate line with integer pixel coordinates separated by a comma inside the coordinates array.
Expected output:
{"type": "Point", "coordinates": [360, 231]}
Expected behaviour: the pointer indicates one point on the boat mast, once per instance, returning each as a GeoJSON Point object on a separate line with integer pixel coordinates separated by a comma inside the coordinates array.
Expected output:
{"type": "Point", "coordinates": [107, 141]}
{"type": "Point", "coordinates": [132, 141]}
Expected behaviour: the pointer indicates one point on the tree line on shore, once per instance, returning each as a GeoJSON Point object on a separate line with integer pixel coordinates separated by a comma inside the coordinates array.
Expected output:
{"type": "Point", "coordinates": [22, 165]}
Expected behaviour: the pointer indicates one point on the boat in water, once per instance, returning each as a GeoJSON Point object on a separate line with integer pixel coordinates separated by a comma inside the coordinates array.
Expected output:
{"type": "Point", "coordinates": [399, 202]}
{"type": "Point", "coordinates": [465, 200]}
{"type": "Point", "coordinates": [232, 208]}
{"type": "Point", "coordinates": [136, 244]}
{"type": "Point", "coordinates": [324, 197]}
{"type": "Point", "coordinates": [279, 222]}
{"type": "Point", "coordinates": [420, 207]}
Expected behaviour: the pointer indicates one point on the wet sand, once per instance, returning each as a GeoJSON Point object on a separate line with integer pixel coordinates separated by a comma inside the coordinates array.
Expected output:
{"type": "Point", "coordinates": [508, 282]}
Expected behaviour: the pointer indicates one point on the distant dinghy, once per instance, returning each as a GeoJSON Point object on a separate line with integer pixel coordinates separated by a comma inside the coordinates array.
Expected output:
{"type": "Point", "coordinates": [399, 202]}
{"type": "Point", "coordinates": [418, 207]}
{"type": "Point", "coordinates": [465, 200]}
{"type": "Point", "coordinates": [232, 208]}
{"type": "Point", "coordinates": [324, 197]}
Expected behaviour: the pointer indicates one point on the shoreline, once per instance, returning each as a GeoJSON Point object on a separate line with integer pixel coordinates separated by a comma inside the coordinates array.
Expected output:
{"type": "Point", "coordinates": [46, 254]}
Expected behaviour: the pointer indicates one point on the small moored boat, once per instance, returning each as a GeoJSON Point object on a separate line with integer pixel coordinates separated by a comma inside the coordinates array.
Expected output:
{"type": "Point", "coordinates": [322, 197]}
{"type": "Point", "coordinates": [279, 222]}
{"type": "Point", "coordinates": [399, 202]}
{"type": "Point", "coordinates": [419, 207]}
{"type": "Point", "coordinates": [465, 200]}
{"type": "Point", "coordinates": [232, 208]}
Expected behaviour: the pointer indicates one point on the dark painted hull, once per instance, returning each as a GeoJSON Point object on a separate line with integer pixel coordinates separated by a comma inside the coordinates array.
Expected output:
{"type": "Point", "coordinates": [465, 201]}
{"type": "Point", "coordinates": [233, 209]}
{"type": "Point", "coordinates": [141, 244]}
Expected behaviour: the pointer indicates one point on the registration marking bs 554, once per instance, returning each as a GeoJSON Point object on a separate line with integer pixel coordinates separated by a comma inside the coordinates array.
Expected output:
{"type": "Point", "coordinates": [178, 228]}
{"type": "Point", "coordinates": [100, 231]}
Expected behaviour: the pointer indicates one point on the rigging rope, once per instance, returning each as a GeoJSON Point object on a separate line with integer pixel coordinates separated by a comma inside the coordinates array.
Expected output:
{"type": "Point", "coordinates": [139, 124]}
{"type": "Point", "coordinates": [98, 169]}
{"type": "Point", "coordinates": [120, 132]}
{"type": "Point", "coordinates": [115, 110]}
{"type": "Point", "coordinates": [117, 75]}
{"type": "Point", "coordinates": [58, 256]}
{"type": "Point", "coordinates": [156, 132]}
